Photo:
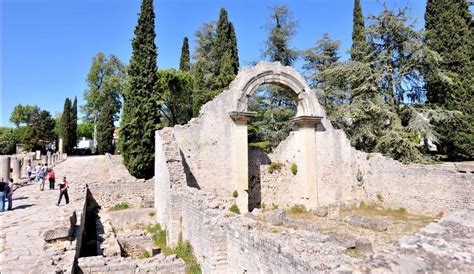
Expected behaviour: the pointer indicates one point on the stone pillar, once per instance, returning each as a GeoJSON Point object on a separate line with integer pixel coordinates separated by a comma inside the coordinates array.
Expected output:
{"type": "Point", "coordinates": [241, 158]}
{"type": "Point", "coordinates": [50, 158]}
{"type": "Point", "coordinates": [60, 148]}
{"type": "Point", "coordinates": [16, 169]}
{"type": "Point", "coordinates": [38, 155]}
{"type": "Point", "coordinates": [5, 168]}
{"type": "Point", "coordinates": [306, 142]}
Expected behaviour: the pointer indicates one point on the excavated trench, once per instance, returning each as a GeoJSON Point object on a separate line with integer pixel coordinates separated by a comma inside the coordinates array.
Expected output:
{"type": "Point", "coordinates": [90, 244]}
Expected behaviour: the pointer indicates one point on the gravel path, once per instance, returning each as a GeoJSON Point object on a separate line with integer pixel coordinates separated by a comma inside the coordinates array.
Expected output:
{"type": "Point", "coordinates": [22, 245]}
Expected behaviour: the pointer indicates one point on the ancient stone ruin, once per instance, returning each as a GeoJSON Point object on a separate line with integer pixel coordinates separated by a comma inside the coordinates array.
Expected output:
{"type": "Point", "coordinates": [342, 211]}
{"type": "Point", "coordinates": [204, 169]}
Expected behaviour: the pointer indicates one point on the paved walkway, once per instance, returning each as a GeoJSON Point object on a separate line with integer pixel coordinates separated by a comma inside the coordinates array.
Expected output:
{"type": "Point", "coordinates": [22, 245]}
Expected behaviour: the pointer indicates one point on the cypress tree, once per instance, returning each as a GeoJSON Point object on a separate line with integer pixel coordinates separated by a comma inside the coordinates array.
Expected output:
{"type": "Point", "coordinates": [66, 126]}
{"type": "Point", "coordinates": [73, 142]}
{"type": "Point", "coordinates": [184, 62]}
{"type": "Point", "coordinates": [105, 128]}
{"type": "Point", "coordinates": [449, 33]}
{"type": "Point", "coordinates": [225, 52]}
{"type": "Point", "coordinates": [359, 43]}
{"type": "Point", "coordinates": [141, 114]}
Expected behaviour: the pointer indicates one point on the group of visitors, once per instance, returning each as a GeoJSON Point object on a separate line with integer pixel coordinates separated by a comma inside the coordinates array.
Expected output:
{"type": "Point", "coordinates": [41, 174]}
{"type": "Point", "coordinates": [6, 191]}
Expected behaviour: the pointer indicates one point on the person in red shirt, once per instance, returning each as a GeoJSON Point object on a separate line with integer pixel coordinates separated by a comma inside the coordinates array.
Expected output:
{"type": "Point", "coordinates": [63, 186]}
{"type": "Point", "coordinates": [52, 179]}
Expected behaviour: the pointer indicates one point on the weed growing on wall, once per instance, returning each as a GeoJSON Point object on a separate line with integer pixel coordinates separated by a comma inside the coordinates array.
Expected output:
{"type": "Point", "coordinates": [235, 209]}
{"type": "Point", "coordinates": [294, 169]}
{"type": "Point", "coordinates": [274, 166]}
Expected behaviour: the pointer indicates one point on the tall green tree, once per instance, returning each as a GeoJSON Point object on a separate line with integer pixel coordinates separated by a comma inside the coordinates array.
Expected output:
{"type": "Point", "coordinates": [107, 78]}
{"type": "Point", "coordinates": [184, 61]}
{"type": "Point", "coordinates": [41, 131]}
{"type": "Point", "coordinates": [323, 56]}
{"type": "Point", "coordinates": [450, 32]}
{"type": "Point", "coordinates": [66, 129]}
{"type": "Point", "coordinates": [359, 42]}
{"type": "Point", "coordinates": [204, 89]}
{"type": "Point", "coordinates": [225, 51]}
{"type": "Point", "coordinates": [23, 114]}
{"type": "Point", "coordinates": [74, 122]}
{"type": "Point", "coordinates": [141, 113]}
{"type": "Point", "coordinates": [105, 128]}
{"type": "Point", "coordinates": [281, 29]}
{"type": "Point", "coordinates": [175, 91]}
{"type": "Point", "coordinates": [382, 112]}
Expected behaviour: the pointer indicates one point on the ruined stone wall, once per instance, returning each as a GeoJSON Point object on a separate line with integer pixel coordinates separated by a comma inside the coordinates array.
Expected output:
{"type": "Point", "coordinates": [135, 194]}
{"type": "Point", "coordinates": [343, 173]}
{"type": "Point", "coordinates": [347, 175]}
{"type": "Point", "coordinates": [223, 242]}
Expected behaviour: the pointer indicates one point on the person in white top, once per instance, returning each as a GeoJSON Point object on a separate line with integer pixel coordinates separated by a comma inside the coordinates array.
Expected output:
{"type": "Point", "coordinates": [29, 170]}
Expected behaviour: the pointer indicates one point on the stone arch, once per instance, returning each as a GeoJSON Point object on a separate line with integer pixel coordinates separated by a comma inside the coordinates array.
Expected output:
{"type": "Point", "coordinates": [308, 114]}
{"type": "Point", "coordinates": [250, 79]}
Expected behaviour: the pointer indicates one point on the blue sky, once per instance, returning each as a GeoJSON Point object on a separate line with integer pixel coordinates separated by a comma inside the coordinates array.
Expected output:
{"type": "Point", "coordinates": [47, 45]}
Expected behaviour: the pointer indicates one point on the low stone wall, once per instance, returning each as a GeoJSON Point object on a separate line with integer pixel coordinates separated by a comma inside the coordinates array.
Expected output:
{"type": "Point", "coordinates": [156, 264]}
{"type": "Point", "coordinates": [135, 194]}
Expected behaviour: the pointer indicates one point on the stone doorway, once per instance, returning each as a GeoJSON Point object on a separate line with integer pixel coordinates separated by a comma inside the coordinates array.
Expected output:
{"type": "Point", "coordinates": [308, 115]}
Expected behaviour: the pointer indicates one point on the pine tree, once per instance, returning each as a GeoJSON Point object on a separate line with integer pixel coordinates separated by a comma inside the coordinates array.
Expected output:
{"type": "Point", "coordinates": [66, 126]}
{"type": "Point", "coordinates": [141, 114]}
{"type": "Point", "coordinates": [74, 123]}
{"type": "Point", "coordinates": [359, 42]}
{"type": "Point", "coordinates": [281, 29]}
{"type": "Point", "coordinates": [184, 62]}
{"type": "Point", "coordinates": [105, 128]}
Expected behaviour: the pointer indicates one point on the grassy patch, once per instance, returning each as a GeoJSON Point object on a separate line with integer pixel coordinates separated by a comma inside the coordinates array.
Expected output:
{"type": "Point", "coordinates": [264, 146]}
{"type": "Point", "coordinates": [183, 250]}
{"type": "Point", "coordinates": [354, 253]}
{"type": "Point", "coordinates": [235, 194]}
{"type": "Point", "coordinates": [294, 169]}
{"type": "Point", "coordinates": [152, 214]}
{"type": "Point", "coordinates": [296, 209]}
{"type": "Point", "coordinates": [120, 206]}
{"type": "Point", "coordinates": [235, 209]}
{"type": "Point", "coordinates": [145, 254]}
{"type": "Point", "coordinates": [274, 166]}
{"type": "Point", "coordinates": [274, 206]}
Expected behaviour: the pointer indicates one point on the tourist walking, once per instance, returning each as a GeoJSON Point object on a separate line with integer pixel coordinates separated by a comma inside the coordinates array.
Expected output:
{"type": "Point", "coordinates": [41, 175]}
{"type": "Point", "coordinates": [3, 192]}
{"type": "Point", "coordinates": [63, 186]}
{"type": "Point", "coordinates": [52, 179]}
{"type": "Point", "coordinates": [10, 194]}
{"type": "Point", "coordinates": [29, 171]}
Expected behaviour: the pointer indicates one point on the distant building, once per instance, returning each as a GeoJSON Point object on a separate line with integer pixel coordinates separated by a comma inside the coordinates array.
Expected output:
{"type": "Point", "coordinates": [85, 143]}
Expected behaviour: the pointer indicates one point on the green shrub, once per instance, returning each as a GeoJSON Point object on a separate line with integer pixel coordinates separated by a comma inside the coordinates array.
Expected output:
{"type": "Point", "coordinates": [294, 169]}
{"type": "Point", "coordinates": [264, 146]}
{"type": "Point", "coordinates": [235, 194]}
{"type": "Point", "coordinates": [297, 209]}
{"type": "Point", "coordinates": [119, 206]}
{"type": "Point", "coordinates": [235, 209]}
{"type": "Point", "coordinates": [380, 197]}
{"type": "Point", "coordinates": [184, 251]}
{"type": "Point", "coordinates": [274, 206]}
{"type": "Point", "coordinates": [274, 166]}
{"type": "Point", "coordinates": [360, 178]}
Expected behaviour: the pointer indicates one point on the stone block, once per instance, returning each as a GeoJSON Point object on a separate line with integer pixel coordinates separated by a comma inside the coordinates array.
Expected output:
{"type": "Point", "coordinates": [363, 245]}
{"type": "Point", "coordinates": [321, 211]}
{"type": "Point", "coordinates": [58, 233]}
{"type": "Point", "coordinates": [366, 222]}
